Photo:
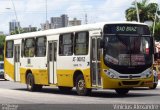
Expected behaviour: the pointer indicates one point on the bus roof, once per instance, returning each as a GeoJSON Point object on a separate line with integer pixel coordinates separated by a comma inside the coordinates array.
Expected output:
{"type": "Point", "coordinates": [67, 30]}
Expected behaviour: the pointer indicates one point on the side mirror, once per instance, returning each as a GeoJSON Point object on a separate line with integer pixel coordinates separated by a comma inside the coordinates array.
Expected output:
{"type": "Point", "coordinates": [152, 45]}
{"type": "Point", "coordinates": [101, 43]}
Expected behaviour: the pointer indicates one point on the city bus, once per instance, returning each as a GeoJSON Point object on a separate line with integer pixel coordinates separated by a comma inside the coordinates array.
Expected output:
{"type": "Point", "coordinates": [108, 55]}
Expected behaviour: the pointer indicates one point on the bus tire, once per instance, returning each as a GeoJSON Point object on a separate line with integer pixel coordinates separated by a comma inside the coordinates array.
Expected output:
{"type": "Point", "coordinates": [122, 91]}
{"type": "Point", "coordinates": [80, 86]}
{"type": "Point", "coordinates": [65, 89]}
{"type": "Point", "coordinates": [31, 86]}
{"type": "Point", "coordinates": [153, 87]}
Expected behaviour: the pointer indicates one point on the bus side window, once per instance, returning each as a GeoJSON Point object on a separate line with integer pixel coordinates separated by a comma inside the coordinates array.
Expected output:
{"type": "Point", "coordinates": [41, 46]}
{"type": "Point", "coordinates": [22, 48]}
{"type": "Point", "coordinates": [81, 43]}
{"type": "Point", "coordinates": [9, 49]}
{"type": "Point", "coordinates": [66, 44]}
{"type": "Point", "coordinates": [29, 47]}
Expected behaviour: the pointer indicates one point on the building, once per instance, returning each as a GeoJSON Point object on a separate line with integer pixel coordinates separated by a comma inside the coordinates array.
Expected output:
{"type": "Point", "coordinates": [58, 22]}
{"type": "Point", "coordinates": [74, 22]}
{"type": "Point", "coordinates": [13, 25]}
{"type": "Point", "coordinates": [64, 20]}
{"type": "Point", "coordinates": [29, 29]}
{"type": "Point", "coordinates": [45, 26]}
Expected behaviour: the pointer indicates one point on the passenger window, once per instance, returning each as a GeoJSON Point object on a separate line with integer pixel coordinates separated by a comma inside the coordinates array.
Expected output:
{"type": "Point", "coordinates": [81, 43]}
{"type": "Point", "coordinates": [40, 46]}
{"type": "Point", "coordinates": [66, 45]}
{"type": "Point", "coordinates": [9, 49]}
{"type": "Point", "coordinates": [29, 48]}
{"type": "Point", "coordinates": [22, 48]}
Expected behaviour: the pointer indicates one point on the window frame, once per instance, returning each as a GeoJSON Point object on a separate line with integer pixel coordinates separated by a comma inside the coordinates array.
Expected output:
{"type": "Point", "coordinates": [61, 45]}
{"type": "Point", "coordinates": [9, 49]}
{"type": "Point", "coordinates": [86, 43]}
{"type": "Point", "coordinates": [29, 47]}
{"type": "Point", "coordinates": [36, 46]}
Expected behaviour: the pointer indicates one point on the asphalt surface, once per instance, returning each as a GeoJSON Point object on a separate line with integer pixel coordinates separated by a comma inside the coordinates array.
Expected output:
{"type": "Point", "coordinates": [16, 93]}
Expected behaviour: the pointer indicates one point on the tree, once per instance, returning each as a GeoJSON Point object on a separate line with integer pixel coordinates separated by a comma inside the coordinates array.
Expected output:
{"type": "Point", "coordinates": [2, 40]}
{"type": "Point", "coordinates": [157, 31]}
{"type": "Point", "coordinates": [146, 11]}
{"type": "Point", "coordinates": [16, 31]}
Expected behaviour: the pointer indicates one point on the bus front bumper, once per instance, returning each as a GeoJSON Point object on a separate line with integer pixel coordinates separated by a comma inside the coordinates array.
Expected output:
{"type": "Point", "coordinates": [109, 83]}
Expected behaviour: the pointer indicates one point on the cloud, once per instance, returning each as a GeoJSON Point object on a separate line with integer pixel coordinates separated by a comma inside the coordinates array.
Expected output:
{"type": "Point", "coordinates": [33, 12]}
{"type": "Point", "coordinates": [108, 10]}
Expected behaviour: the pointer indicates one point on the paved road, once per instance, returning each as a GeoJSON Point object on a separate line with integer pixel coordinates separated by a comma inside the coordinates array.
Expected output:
{"type": "Point", "coordinates": [15, 93]}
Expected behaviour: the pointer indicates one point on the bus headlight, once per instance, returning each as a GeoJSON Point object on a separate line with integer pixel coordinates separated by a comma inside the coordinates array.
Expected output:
{"type": "Point", "coordinates": [146, 74]}
{"type": "Point", "coordinates": [110, 74]}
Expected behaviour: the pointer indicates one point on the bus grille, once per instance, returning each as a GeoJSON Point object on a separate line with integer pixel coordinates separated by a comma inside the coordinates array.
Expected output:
{"type": "Point", "coordinates": [127, 77]}
{"type": "Point", "coordinates": [130, 82]}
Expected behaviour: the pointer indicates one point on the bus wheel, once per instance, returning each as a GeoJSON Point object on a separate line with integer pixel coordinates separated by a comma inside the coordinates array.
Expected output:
{"type": "Point", "coordinates": [80, 86]}
{"type": "Point", "coordinates": [65, 89]}
{"type": "Point", "coordinates": [31, 86]}
{"type": "Point", "coordinates": [153, 87]}
{"type": "Point", "coordinates": [122, 91]}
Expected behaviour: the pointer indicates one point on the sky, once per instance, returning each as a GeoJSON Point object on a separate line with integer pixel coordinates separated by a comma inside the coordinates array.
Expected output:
{"type": "Point", "coordinates": [33, 12]}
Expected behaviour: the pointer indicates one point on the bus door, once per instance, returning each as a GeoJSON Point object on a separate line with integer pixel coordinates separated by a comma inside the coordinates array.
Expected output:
{"type": "Point", "coordinates": [95, 61]}
{"type": "Point", "coordinates": [52, 61]}
{"type": "Point", "coordinates": [17, 62]}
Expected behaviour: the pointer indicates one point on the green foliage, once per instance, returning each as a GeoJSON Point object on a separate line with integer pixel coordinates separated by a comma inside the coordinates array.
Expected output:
{"type": "Point", "coordinates": [2, 41]}
{"type": "Point", "coordinates": [146, 11]}
{"type": "Point", "coordinates": [17, 31]}
{"type": "Point", "coordinates": [157, 31]}
{"type": "Point", "coordinates": [22, 31]}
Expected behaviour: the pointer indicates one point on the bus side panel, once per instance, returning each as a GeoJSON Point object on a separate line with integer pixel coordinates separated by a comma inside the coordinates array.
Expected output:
{"type": "Point", "coordinates": [37, 66]}
{"type": "Point", "coordinates": [9, 69]}
{"type": "Point", "coordinates": [40, 75]}
{"type": "Point", "coordinates": [23, 75]}
{"type": "Point", "coordinates": [65, 78]}
{"type": "Point", "coordinates": [87, 77]}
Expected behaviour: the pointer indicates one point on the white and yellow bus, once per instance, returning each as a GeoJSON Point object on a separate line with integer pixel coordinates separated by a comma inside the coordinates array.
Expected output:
{"type": "Point", "coordinates": [117, 55]}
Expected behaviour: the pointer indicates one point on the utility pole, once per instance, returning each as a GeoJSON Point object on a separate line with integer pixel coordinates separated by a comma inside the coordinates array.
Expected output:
{"type": "Point", "coordinates": [86, 18]}
{"type": "Point", "coordinates": [15, 15]}
{"type": "Point", "coordinates": [46, 10]}
{"type": "Point", "coordinates": [137, 11]}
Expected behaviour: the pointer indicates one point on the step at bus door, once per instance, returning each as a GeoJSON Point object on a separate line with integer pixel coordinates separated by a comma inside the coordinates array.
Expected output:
{"type": "Point", "coordinates": [17, 62]}
{"type": "Point", "coordinates": [52, 61]}
{"type": "Point", "coordinates": [95, 61]}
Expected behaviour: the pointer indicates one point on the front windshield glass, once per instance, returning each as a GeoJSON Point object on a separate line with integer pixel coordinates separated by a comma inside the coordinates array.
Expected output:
{"type": "Point", "coordinates": [126, 50]}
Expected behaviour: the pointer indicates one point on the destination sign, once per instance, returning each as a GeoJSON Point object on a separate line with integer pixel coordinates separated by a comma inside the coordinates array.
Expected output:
{"type": "Point", "coordinates": [126, 29]}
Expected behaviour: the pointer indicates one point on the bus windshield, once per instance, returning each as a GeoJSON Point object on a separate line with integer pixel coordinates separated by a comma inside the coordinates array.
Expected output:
{"type": "Point", "coordinates": [127, 48]}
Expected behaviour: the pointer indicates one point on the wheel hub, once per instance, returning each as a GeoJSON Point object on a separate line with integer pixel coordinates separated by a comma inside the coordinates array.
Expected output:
{"type": "Point", "coordinates": [81, 84]}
